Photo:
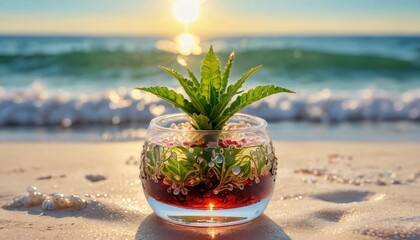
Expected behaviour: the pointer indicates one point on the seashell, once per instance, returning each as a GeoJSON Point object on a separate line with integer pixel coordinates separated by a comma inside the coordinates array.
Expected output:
{"type": "Point", "coordinates": [12, 205]}
{"type": "Point", "coordinates": [17, 202]}
{"type": "Point", "coordinates": [31, 189]}
{"type": "Point", "coordinates": [76, 202]}
{"type": "Point", "coordinates": [57, 195]}
{"type": "Point", "coordinates": [62, 203]}
{"type": "Point", "coordinates": [26, 200]}
{"type": "Point", "coordinates": [57, 198]}
{"type": "Point", "coordinates": [48, 205]}
{"type": "Point", "coordinates": [80, 204]}
{"type": "Point", "coordinates": [37, 198]}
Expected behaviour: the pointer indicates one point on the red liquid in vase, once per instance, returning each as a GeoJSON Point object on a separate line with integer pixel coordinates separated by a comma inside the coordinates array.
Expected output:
{"type": "Point", "coordinates": [202, 196]}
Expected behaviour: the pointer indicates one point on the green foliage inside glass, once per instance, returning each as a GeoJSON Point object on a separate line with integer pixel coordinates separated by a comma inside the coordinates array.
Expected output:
{"type": "Point", "coordinates": [210, 103]}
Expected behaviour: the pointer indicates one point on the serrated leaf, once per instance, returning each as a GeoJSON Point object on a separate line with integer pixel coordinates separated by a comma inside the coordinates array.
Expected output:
{"type": "Point", "coordinates": [193, 78]}
{"type": "Point", "coordinates": [210, 77]}
{"type": "Point", "coordinates": [250, 97]}
{"type": "Point", "coordinates": [172, 97]}
{"type": "Point", "coordinates": [209, 98]}
{"type": "Point", "coordinates": [226, 73]}
{"type": "Point", "coordinates": [231, 92]}
{"type": "Point", "coordinates": [189, 89]}
{"type": "Point", "coordinates": [201, 122]}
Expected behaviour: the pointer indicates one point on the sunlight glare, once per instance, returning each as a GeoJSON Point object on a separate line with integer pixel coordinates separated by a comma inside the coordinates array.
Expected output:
{"type": "Point", "coordinates": [188, 44]}
{"type": "Point", "coordinates": [186, 11]}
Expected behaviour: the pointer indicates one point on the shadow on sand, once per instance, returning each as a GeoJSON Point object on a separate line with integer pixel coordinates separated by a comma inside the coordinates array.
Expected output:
{"type": "Point", "coordinates": [261, 228]}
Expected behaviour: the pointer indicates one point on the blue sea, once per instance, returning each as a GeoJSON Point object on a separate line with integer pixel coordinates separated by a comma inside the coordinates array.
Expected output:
{"type": "Point", "coordinates": [81, 88]}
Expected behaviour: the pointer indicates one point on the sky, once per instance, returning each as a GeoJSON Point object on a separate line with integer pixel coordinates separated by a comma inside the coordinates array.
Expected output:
{"type": "Point", "coordinates": [217, 17]}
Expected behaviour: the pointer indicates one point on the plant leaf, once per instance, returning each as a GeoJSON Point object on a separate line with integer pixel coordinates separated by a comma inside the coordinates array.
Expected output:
{"type": "Point", "coordinates": [201, 122]}
{"type": "Point", "coordinates": [193, 78]}
{"type": "Point", "coordinates": [226, 72]}
{"type": "Point", "coordinates": [231, 92]}
{"type": "Point", "coordinates": [172, 97]}
{"type": "Point", "coordinates": [189, 88]}
{"type": "Point", "coordinates": [210, 77]}
{"type": "Point", "coordinates": [248, 98]}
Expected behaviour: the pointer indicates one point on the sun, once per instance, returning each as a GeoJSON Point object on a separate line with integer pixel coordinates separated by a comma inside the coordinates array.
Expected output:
{"type": "Point", "coordinates": [186, 11]}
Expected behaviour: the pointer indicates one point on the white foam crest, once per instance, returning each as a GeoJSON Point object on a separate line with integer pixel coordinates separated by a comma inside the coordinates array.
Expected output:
{"type": "Point", "coordinates": [39, 106]}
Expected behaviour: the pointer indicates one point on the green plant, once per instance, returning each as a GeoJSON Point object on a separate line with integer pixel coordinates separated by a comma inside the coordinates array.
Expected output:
{"type": "Point", "coordinates": [210, 103]}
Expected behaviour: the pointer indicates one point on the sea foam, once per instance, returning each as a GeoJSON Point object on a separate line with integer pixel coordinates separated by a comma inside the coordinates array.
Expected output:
{"type": "Point", "coordinates": [39, 106]}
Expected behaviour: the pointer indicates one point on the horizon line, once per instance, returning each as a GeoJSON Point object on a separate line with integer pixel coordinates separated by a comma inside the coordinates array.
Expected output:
{"type": "Point", "coordinates": [215, 36]}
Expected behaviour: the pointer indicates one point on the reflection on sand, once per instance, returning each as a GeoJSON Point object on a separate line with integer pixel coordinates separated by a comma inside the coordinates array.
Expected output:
{"type": "Point", "coordinates": [261, 228]}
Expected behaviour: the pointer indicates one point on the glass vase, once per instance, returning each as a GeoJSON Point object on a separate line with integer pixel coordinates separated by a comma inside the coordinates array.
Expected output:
{"type": "Point", "coordinates": [208, 177]}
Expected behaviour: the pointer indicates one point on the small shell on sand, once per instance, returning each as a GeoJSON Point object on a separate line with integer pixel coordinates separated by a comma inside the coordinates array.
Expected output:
{"type": "Point", "coordinates": [54, 201]}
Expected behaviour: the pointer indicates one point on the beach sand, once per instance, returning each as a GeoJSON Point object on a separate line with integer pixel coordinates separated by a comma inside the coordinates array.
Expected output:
{"type": "Point", "coordinates": [324, 190]}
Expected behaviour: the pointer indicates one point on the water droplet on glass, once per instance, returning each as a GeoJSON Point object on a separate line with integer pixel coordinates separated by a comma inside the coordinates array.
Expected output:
{"type": "Point", "coordinates": [219, 158]}
{"type": "Point", "coordinates": [236, 170]}
{"type": "Point", "coordinates": [211, 164]}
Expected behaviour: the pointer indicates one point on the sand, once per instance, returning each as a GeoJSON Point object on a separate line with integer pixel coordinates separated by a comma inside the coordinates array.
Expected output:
{"type": "Point", "coordinates": [324, 190]}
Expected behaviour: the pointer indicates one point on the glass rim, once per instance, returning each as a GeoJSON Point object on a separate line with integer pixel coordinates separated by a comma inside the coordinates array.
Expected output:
{"type": "Point", "coordinates": [261, 124]}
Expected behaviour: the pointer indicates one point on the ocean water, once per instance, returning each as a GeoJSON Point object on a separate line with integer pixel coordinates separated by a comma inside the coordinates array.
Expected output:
{"type": "Point", "coordinates": [81, 88]}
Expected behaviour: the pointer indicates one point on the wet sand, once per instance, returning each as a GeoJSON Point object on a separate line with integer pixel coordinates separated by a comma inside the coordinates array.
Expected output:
{"type": "Point", "coordinates": [334, 190]}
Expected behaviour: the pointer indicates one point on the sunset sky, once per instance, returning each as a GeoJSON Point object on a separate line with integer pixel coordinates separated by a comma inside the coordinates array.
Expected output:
{"type": "Point", "coordinates": [217, 17]}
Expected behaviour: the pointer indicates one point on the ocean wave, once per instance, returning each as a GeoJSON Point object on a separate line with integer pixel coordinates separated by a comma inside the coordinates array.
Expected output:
{"type": "Point", "coordinates": [38, 106]}
{"type": "Point", "coordinates": [287, 60]}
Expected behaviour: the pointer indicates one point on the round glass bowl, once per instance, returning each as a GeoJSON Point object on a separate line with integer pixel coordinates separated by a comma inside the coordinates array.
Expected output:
{"type": "Point", "coordinates": [208, 177]}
